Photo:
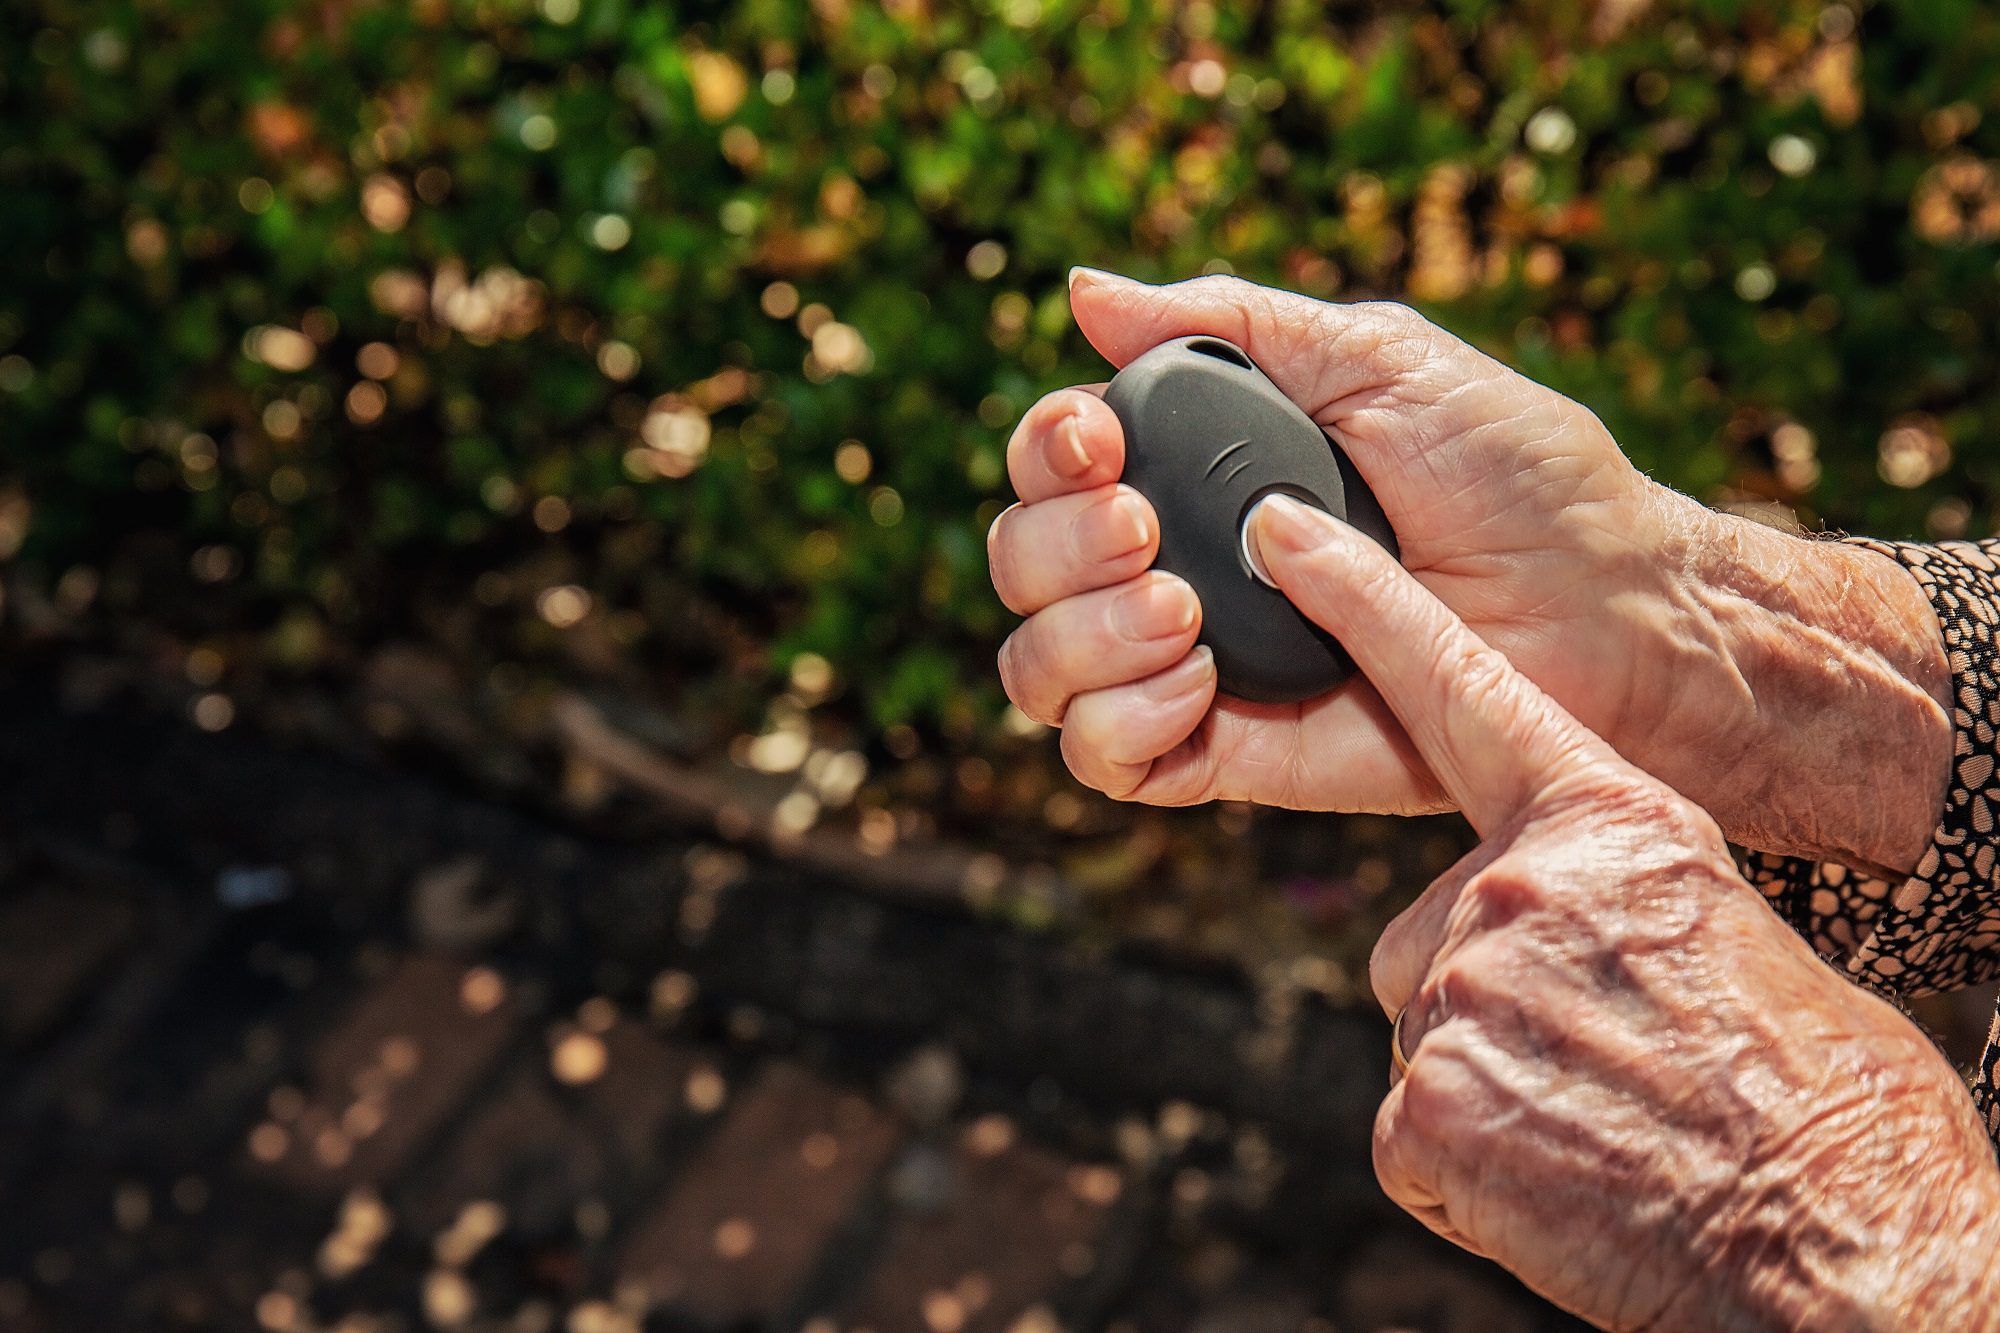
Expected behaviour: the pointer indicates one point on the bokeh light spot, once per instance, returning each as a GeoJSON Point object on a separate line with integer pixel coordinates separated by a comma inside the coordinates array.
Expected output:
{"type": "Point", "coordinates": [538, 132]}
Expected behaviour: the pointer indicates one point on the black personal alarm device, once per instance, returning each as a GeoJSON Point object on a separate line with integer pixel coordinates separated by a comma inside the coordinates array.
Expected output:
{"type": "Point", "coordinates": [1207, 437]}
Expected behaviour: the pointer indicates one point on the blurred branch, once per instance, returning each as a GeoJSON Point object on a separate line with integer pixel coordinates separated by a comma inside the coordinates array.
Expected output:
{"type": "Point", "coordinates": [930, 871]}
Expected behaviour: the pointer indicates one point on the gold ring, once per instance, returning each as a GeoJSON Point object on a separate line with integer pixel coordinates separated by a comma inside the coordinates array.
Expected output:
{"type": "Point", "coordinates": [1397, 1060]}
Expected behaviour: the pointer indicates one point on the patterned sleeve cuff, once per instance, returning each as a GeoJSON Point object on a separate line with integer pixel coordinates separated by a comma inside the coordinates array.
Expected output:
{"type": "Point", "coordinates": [1940, 928]}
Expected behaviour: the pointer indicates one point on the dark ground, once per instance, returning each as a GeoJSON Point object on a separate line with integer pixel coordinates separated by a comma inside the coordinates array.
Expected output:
{"type": "Point", "coordinates": [293, 1043]}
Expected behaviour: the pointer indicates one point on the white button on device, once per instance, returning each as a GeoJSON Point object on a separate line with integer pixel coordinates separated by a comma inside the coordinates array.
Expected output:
{"type": "Point", "coordinates": [1250, 556]}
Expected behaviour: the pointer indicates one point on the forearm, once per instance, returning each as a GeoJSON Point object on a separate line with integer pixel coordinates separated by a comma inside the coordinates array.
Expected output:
{"type": "Point", "coordinates": [1820, 724]}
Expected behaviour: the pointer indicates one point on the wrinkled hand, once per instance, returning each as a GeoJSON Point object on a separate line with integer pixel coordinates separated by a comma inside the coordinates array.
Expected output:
{"type": "Point", "coordinates": [1687, 639]}
{"type": "Point", "coordinates": [1627, 1081]}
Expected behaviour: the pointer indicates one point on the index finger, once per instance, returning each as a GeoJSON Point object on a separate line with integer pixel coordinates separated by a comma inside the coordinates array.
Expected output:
{"type": "Point", "coordinates": [1069, 441]}
{"type": "Point", "coordinates": [1492, 737]}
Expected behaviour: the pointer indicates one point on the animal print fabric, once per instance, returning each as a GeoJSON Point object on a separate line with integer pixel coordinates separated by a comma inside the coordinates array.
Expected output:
{"type": "Point", "coordinates": [1939, 929]}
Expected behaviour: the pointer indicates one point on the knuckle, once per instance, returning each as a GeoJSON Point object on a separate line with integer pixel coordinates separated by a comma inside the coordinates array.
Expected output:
{"type": "Point", "coordinates": [1246, 305]}
{"type": "Point", "coordinates": [1015, 679]}
{"type": "Point", "coordinates": [1445, 994]}
{"type": "Point", "coordinates": [1408, 1145]}
{"type": "Point", "coordinates": [1686, 821]}
{"type": "Point", "coordinates": [1010, 673]}
{"type": "Point", "coordinates": [1087, 763]}
{"type": "Point", "coordinates": [1119, 767]}
{"type": "Point", "coordinates": [1433, 1112]}
{"type": "Point", "coordinates": [1469, 982]}
{"type": "Point", "coordinates": [1000, 559]}
{"type": "Point", "coordinates": [1092, 733]}
{"type": "Point", "coordinates": [996, 531]}
{"type": "Point", "coordinates": [1471, 677]}
{"type": "Point", "coordinates": [1075, 755]}
{"type": "Point", "coordinates": [1220, 287]}
{"type": "Point", "coordinates": [1653, 804]}
{"type": "Point", "coordinates": [1406, 1167]}
{"type": "Point", "coordinates": [1502, 892]}
{"type": "Point", "coordinates": [1613, 797]}
{"type": "Point", "coordinates": [1389, 969]}
{"type": "Point", "coordinates": [1394, 335]}
{"type": "Point", "coordinates": [1390, 1148]}
{"type": "Point", "coordinates": [1394, 317]}
{"type": "Point", "coordinates": [1024, 425]}
{"type": "Point", "coordinates": [1482, 679]}
{"type": "Point", "coordinates": [1025, 678]}
{"type": "Point", "coordinates": [1584, 422]}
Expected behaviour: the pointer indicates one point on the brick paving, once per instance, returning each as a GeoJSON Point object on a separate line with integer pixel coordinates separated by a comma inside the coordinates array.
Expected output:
{"type": "Point", "coordinates": [1018, 1227]}
{"type": "Point", "coordinates": [311, 1108]}
{"type": "Point", "coordinates": [58, 940]}
{"type": "Point", "coordinates": [737, 1237]}
{"type": "Point", "coordinates": [386, 1078]}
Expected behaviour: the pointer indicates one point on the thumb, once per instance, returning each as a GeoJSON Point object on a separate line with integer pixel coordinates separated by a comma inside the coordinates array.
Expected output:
{"type": "Point", "coordinates": [1326, 357]}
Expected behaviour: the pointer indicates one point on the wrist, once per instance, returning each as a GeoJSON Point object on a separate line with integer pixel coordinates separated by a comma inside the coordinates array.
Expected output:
{"type": "Point", "coordinates": [1817, 720]}
{"type": "Point", "coordinates": [1921, 1255]}
{"type": "Point", "coordinates": [1939, 1227]}
{"type": "Point", "coordinates": [1876, 1201]}
{"type": "Point", "coordinates": [1961, 1291]}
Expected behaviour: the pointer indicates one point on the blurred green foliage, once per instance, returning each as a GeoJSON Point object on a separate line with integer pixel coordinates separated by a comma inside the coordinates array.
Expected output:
{"type": "Point", "coordinates": [667, 342]}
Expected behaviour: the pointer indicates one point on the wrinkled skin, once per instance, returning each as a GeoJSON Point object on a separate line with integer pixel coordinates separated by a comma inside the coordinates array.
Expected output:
{"type": "Point", "coordinates": [1627, 1081]}
{"type": "Point", "coordinates": [1691, 641]}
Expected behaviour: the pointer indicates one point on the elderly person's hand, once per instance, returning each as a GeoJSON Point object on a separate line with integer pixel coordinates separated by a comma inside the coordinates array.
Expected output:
{"type": "Point", "coordinates": [1723, 656]}
{"type": "Point", "coordinates": [1627, 1081]}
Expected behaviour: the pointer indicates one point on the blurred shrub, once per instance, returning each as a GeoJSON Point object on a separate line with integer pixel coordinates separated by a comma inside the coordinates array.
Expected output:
{"type": "Point", "coordinates": [668, 342]}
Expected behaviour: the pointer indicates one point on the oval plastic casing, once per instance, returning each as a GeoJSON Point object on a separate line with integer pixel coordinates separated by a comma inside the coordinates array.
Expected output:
{"type": "Point", "coordinates": [1208, 435]}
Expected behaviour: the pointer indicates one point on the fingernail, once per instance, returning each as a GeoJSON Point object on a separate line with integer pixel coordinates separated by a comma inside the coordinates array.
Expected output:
{"type": "Point", "coordinates": [1069, 456]}
{"type": "Point", "coordinates": [1285, 524]}
{"type": "Point", "coordinates": [1083, 276]}
{"type": "Point", "coordinates": [1185, 676]}
{"type": "Point", "coordinates": [1158, 609]}
{"type": "Point", "coordinates": [1116, 527]}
